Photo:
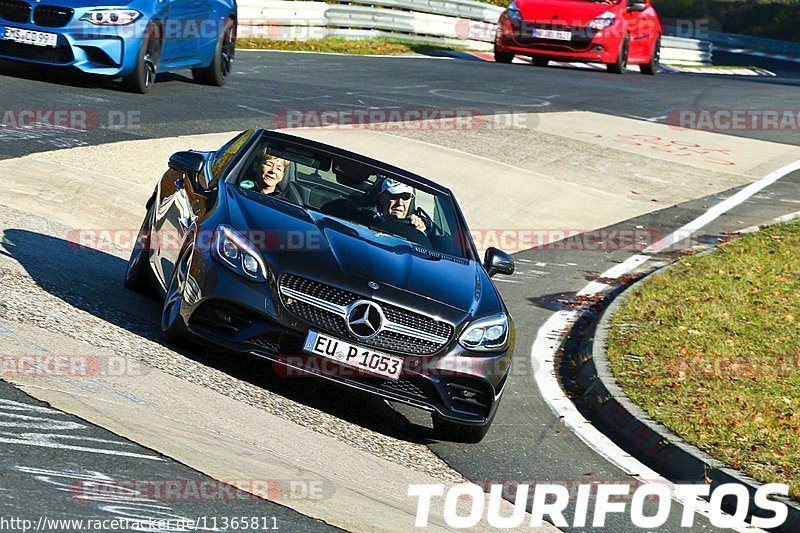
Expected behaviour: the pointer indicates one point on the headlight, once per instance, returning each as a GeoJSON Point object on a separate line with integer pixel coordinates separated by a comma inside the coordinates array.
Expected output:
{"type": "Point", "coordinates": [234, 251]}
{"type": "Point", "coordinates": [603, 21]}
{"type": "Point", "coordinates": [513, 12]}
{"type": "Point", "coordinates": [486, 334]}
{"type": "Point", "coordinates": [111, 16]}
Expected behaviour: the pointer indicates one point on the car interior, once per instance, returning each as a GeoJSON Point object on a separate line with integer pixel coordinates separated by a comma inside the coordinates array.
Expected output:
{"type": "Point", "coordinates": [347, 189]}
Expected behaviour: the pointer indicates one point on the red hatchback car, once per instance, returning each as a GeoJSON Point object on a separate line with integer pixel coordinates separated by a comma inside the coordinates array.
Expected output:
{"type": "Point", "coordinates": [614, 32]}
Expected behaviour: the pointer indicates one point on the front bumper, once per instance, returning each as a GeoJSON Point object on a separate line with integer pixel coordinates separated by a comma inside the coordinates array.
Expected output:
{"type": "Point", "coordinates": [91, 49]}
{"type": "Point", "coordinates": [585, 44]}
{"type": "Point", "coordinates": [248, 317]}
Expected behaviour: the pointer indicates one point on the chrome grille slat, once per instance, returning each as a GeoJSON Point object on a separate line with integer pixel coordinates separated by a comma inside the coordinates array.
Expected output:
{"type": "Point", "coordinates": [324, 306]}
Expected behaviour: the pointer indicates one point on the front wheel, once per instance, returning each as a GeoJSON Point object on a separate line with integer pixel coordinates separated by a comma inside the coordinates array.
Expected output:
{"type": "Point", "coordinates": [173, 327]}
{"type": "Point", "coordinates": [501, 56]}
{"type": "Point", "coordinates": [651, 68]}
{"type": "Point", "coordinates": [143, 77]}
{"type": "Point", "coordinates": [622, 59]}
{"type": "Point", "coordinates": [138, 277]}
{"type": "Point", "coordinates": [220, 68]}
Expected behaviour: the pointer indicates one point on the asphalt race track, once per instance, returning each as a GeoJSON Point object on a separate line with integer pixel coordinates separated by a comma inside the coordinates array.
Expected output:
{"type": "Point", "coordinates": [527, 444]}
{"type": "Point", "coordinates": [266, 83]}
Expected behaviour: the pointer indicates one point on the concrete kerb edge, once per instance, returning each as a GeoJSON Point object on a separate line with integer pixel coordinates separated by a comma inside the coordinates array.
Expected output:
{"type": "Point", "coordinates": [659, 447]}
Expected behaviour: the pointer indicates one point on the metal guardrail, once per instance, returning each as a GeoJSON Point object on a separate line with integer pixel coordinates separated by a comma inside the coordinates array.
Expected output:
{"type": "Point", "coordinates": [464, 23]}
{"type": "Point", "coordinates": [732, 40]}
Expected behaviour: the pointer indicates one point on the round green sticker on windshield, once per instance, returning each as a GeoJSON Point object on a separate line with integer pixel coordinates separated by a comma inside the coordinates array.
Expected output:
{"type": "Point", "coordinates": [247, 184]}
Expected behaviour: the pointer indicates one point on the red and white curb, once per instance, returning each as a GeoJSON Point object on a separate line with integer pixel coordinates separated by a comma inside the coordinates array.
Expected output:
{"type": "Point", "coordinates": [687, 69]}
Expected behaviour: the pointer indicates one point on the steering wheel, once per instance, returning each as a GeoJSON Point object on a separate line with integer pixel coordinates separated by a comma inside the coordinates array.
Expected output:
{"type": "Point", "coordinates": [433, 229]}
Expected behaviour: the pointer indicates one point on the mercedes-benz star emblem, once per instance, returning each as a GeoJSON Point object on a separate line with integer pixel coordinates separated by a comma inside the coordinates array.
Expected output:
{"type": "Point", "coordinates": [365, 319]}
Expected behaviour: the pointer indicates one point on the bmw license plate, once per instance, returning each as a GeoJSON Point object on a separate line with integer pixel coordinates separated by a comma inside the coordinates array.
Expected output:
{"type": "Point", "coordinates": [558, 35]}
{"type": "Point", "coordinates": [36, 38]}
{"type": "Point", "coordinates": [347, 354]}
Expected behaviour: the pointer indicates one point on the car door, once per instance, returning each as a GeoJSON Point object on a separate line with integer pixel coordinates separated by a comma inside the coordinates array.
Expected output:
{"type": "Point", "coordinates": [649, 29]}
{"type": "Point", "coordinates": [633, 20]}
{"type": "Point", "coordinates": [186, 23]}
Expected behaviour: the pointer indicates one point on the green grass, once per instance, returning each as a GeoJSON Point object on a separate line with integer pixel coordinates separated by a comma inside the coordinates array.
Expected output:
{"type": "Point", "coordinates": [380, 46]}
{"type": "Point", "coordinates": [711, 349]}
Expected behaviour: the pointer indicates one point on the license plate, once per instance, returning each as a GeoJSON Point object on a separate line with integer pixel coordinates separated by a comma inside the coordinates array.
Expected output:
{"type": "Point", "coordinates": [552, 34]}
{"type": "Point", "coordinates": [347, 354]}
{"type": "Point", "coordinates": [36, 38]}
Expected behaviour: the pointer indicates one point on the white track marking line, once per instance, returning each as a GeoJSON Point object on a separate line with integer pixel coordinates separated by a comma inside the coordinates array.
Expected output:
{"type": "Point", "coordinates": [550, 336]}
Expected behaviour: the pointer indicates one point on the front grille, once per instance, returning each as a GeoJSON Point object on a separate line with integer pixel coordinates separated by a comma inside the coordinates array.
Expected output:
{"type": "Point", "coordinates": [276, 344]}
{"type": "Point", "coordinates": [406, 386]}
{"type": "Point", "coordinates": [314, 315]}
{"type": "Point", "coordinates": [59, 55]}
{"type": "Point", "coordinates": [404, 344]}
{"type": "Point", "coordinates": [413, 320]}
{"type": "Point", "coordinates": [15, 11]}
{"type": "Point", "coordinates": [52, 16]}
{"type": "Point", "coordinates": [318, 290]}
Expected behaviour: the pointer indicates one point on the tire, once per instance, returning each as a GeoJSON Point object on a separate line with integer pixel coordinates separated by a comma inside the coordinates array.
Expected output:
{"type": "Point", "coordinates": [173, 328]}
{"type": "Point", "coordinates": [452, 431]}
{"type": "Point", "coordinates": [220, 68]}
{"type": "Point", "coordinates": [143, 77]}
{"type": "Point", "coordinates": [651, 68]}
{"type": "Point", "coordinates": [138, 276]}
{"type": "Point", "coordinates": [501, 56]}
{"type": "Point", "coordinates": [622, 59]}
{"type": "Point", "coordinates": [539, 62]}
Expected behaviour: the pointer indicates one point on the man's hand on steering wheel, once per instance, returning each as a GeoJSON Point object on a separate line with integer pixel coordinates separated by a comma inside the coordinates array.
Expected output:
{"type": "Point", "coordinates": [418, 223]}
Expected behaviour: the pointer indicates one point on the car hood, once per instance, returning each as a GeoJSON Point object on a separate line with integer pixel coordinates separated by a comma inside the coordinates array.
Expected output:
{"type": "Point", "coordinates": [300, 240]}
{"type": "Point", "coordinates": [96, 4]}
{"type": "Point", "coordinates": [571, 12]}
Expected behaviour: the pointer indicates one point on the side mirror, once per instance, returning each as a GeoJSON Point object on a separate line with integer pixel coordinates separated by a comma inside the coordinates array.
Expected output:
{"type": "Point", "coordinates": [637, 6]}
{"type": "Point", "coordinates": [498, 262]}
{"type": "Point", "coordinates": [191, 164]}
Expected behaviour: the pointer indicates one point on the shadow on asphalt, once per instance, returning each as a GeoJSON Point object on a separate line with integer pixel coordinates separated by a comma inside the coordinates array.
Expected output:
{"type": "Point", "coordinates": [91, 281]}
{"type": "Point", "coordinates": [72, 77]}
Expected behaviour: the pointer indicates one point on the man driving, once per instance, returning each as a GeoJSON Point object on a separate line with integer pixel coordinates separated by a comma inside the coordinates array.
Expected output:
{"type": "Point", "coordinates": [394, 201]}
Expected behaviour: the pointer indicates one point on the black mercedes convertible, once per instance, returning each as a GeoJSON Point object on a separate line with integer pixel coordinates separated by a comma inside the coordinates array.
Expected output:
{"type": "Point", "coordinates": [334, 264]}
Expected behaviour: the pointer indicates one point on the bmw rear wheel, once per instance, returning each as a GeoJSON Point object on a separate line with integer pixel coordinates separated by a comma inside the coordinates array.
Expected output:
{"type": "Point", "coordinates": [221, 65]}
{"type": "Point", "coordinates": [622, 59]}
{"type": "Point", "coordinates": [143, 77]}
{"type": "Point", "coordinates": [173, 328]}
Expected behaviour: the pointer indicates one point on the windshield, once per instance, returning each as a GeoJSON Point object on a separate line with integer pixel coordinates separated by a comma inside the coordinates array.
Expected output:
{"type": "Point", "coordinates": [356, 192]}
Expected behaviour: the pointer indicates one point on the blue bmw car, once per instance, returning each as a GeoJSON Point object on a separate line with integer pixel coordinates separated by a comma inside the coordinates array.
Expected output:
{"type": "Point", "coordinates": [132, 40]}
